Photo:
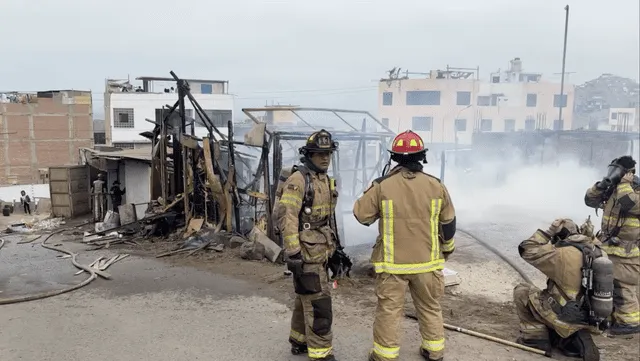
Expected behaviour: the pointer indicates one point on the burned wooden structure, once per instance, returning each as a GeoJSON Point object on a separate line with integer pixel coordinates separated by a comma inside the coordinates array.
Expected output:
{"type": "Point", "coordinates": [281, 131]}
{"type": "Point", "coordinates": [191, 177]}
{"type": "Point", "coordinates": [227, 181]}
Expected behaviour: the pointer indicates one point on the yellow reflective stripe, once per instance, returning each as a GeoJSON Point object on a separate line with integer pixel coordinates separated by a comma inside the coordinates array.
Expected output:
{"type": "Point", "coordinates": [628, 318]}
{"type": "Point", "coordinates": [621, 251]}
{"type": "Point", "coordinates": [434, 222]}
{"type": "Point", "coordinates": [449, 246]}
{"type": "Point", "coordinates": [629, 222]}
{"type": "Point", "coordinates": [292, 241]}
{"type": "Point", "coordinates": [291, 199]}
{"type": "Point", "coordinates": [297, 336]}
{"type": "Point", "coordinates": [319, 352]}
{"type": "Point", "coordinates": [386, 352]}
{"type": "Point", "coordinates": [332, 184]}
{"type": "Point", "coordinates": [408, 268]}
{"type": "Point", "coordinates": [625, 187]}
{"type": "Point", "coordinates": [387, 230]}
{"type": "Point", "coordinates": [434, 346]}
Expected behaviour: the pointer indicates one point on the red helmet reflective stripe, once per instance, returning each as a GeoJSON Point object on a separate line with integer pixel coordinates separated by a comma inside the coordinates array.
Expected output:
{"type": "Point", "coordinates": [407, 143]}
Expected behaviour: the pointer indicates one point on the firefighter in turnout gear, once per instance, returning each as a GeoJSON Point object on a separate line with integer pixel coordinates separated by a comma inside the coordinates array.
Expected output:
{"type": "Point", "coordinates": [417, 223]}
{"type": "Point", "coordinates": [618, 194]}
{"type": "Point", "coordinates": [559, 315]}
{"type": "Point", "coordinates": [303, 215]}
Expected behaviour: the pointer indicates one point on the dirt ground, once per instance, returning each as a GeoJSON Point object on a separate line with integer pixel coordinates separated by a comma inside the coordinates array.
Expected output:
{"type": "Point", "coordinates": [482, 302]}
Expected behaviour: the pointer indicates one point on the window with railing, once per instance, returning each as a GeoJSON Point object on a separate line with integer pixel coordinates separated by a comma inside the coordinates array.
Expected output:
{"type": "Point", "coordinates": [123, 118]}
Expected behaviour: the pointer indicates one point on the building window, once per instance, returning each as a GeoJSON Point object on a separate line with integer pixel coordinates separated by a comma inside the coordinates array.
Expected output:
{"type": "Point", "coordinates": [509, 125]}
{"type": "Point", "coordinates": [423, 97]}
{"type": "Point", "coordinates": [614, 116]}
{"type": "Point", "coordinates": [494, 100]}
{"type": "Point", "coordinates": [463, 98]}
{"type": "Point", "coordinates": [124, 145]}
{"type": "Point", "coordinates": [486, 125]}
{"type": "Point", "coordinates": [558, 124]}
{"type": "Point", "coordinates": [123, 117]}
{"type": "Point", "coordinates": [421, 123]}
{"type": "Point", "coordinates": [461, 125]}
{"type": "Point", "coordinates": [99, 138]}
{"type": "Point", "coordinates": [220, 118]}
{"type": "Point", "coordinates": [557, 103]}
{"type": "Point", "coordinates": [532, 100]}
{"type": "Point", "coordinates": [529, 123]}
{"type": "Point", "coordinates": [206, 88]}
{"type": "Point", "coordinates": [161, 113]}
{"type": "Point", "coordinates": [385, 122]}
{"type": "Point", "coordinates": [387, 98]}
{"type": "Point", "coordinates": [484, 101]}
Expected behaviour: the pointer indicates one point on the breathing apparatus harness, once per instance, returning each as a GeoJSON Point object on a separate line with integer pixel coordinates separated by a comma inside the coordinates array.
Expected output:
{"type": "Point", "coordinates": [594, 302]}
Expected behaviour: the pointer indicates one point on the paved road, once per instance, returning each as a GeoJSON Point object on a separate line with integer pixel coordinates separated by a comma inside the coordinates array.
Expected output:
{"type": "Point", "coordinates": [154, 311]}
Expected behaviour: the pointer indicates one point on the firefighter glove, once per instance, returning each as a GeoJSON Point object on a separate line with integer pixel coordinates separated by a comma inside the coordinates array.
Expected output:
{"type": "Point", "coordinates": [294, 264]}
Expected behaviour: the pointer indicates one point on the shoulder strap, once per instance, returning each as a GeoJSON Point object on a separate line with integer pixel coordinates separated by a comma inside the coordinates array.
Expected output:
{"type": "Point", "coordinates": [309, 192]}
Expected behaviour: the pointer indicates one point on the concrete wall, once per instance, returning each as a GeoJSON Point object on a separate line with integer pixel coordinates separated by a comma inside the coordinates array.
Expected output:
{"type": "Point", "coordinates": [145, 104]}
{"type": "Point", "coordinates": [511, 104]}
{"type": "Point", "coordinates": [42, 133]}
{"type": "Point", "coordinates": [137, 177]}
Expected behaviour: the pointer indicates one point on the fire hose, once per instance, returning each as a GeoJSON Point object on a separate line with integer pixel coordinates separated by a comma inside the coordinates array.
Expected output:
{"type": "Point", "coordinates": [92, 275]}
{"type": "Point", "coordinates": [499, 254]}
{"type": "Point", "coordinates": [491, 338]}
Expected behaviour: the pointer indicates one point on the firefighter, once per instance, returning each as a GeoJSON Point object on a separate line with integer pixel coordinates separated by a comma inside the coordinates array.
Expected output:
{"type": "Point", "coordinates": [416, 229]}
{"type": "Point", "coordinates": [555, 316]}
{"type": "Point", "coordinates": [619, 195]}
{"type": "Point", "coordinates": [303, 217]}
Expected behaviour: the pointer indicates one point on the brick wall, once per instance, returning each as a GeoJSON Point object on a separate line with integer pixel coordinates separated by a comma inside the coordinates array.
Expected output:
{"type": "Point", "coordinates": [45, 133]}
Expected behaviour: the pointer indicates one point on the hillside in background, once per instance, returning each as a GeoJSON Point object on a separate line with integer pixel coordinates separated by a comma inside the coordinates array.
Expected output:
{"type": "Point", "coordinates": [594, 98]}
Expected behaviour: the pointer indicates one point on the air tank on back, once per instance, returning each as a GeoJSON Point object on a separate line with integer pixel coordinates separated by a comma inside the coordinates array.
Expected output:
{"type": "Point", "coordinates": [602, 296]}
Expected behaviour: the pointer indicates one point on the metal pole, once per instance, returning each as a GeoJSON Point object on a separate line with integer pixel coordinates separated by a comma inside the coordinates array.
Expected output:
{"type": "Point", "coordinates": [564, 57]}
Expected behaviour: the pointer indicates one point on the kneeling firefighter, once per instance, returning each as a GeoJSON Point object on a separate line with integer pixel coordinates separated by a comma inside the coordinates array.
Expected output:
{"type": "Point", "coordinates": [305, 214]}
{"type": "Point", "coordinates": [417, 225]}
{"type": "Point", "coordinates": [578, 298]}
{"type": "Point", "coordinates": [618, 194]}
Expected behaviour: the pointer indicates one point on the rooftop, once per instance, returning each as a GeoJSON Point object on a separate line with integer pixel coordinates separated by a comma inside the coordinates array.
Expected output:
{"type": "Point", "coordinates": [207, 81]}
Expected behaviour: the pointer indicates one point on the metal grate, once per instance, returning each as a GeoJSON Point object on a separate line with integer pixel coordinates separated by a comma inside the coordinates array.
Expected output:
{"type": "Point", "coordinates": [123, 117]}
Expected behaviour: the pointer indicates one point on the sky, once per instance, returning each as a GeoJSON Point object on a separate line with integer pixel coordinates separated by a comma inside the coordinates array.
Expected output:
{"type": "Point", "coordinates": [328, 53]}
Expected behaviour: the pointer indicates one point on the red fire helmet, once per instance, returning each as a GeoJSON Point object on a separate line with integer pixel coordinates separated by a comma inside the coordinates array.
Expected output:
{"type": "Point", "coordinates": [407, 143]}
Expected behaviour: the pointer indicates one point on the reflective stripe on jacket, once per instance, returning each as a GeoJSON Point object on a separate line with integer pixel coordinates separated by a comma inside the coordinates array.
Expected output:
{"type": "Point", "coordinates": [410, 208]}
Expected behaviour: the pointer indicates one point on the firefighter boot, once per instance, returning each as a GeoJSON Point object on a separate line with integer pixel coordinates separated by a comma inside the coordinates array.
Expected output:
{"type": "Point", "coordinates": [298, 348]}
{"type": "Point", "coordinates": [426, 356]}
{"type": "Point", "coordinates": [328, 358]}
{"type": "Point", "coordinates": [543, 345]}
{"type": "Point", "coordinates": [580, 345]}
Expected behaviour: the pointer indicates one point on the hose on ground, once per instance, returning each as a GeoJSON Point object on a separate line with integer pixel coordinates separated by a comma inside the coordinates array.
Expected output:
{"type": "Point", "coordinates": [490, 338]}
{"type": "Point", "coordinates": [499, 254]}
{"type": "Point", "coordinates": [1, 243]}
{"type": "Point", "coordinates": [92, 275]}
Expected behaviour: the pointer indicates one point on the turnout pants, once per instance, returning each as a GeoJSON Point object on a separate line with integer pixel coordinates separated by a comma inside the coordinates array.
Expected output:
{"type": "Point", "coordinates": [312, 312]}
{"type": "Point", "coordinates": [531, 326]}
{"type": "Point", "coordinates": [626, 272]}
{"type": "Point", "coordinates": [426, 291]}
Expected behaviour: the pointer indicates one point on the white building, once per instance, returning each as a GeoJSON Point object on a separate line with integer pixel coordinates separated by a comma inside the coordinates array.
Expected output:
{"type": "Point", "coordinates": [128, 106]}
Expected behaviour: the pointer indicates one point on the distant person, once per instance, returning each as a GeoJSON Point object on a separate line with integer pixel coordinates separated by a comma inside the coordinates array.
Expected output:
{"type": "Point", "coordinates": [618, 194]}
{"type": "Point", "coordinates": [116, 195]}
{"type": "Point", "coordinates": [25, 200]}
{"type": "Point", "coordinates": [98, 192]}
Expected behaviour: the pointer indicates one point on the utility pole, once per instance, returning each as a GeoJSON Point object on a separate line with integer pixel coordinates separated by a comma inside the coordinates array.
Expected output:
{"type": "Point", "coordinates": [564, 58]}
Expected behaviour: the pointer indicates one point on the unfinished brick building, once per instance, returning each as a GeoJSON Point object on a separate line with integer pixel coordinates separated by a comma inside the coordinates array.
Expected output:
{"type": "Point", "coordinates": [40, 130]}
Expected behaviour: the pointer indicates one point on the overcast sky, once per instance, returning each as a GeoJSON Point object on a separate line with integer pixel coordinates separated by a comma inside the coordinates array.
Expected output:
{"type": "Point", "coordinates": [334, 50]}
